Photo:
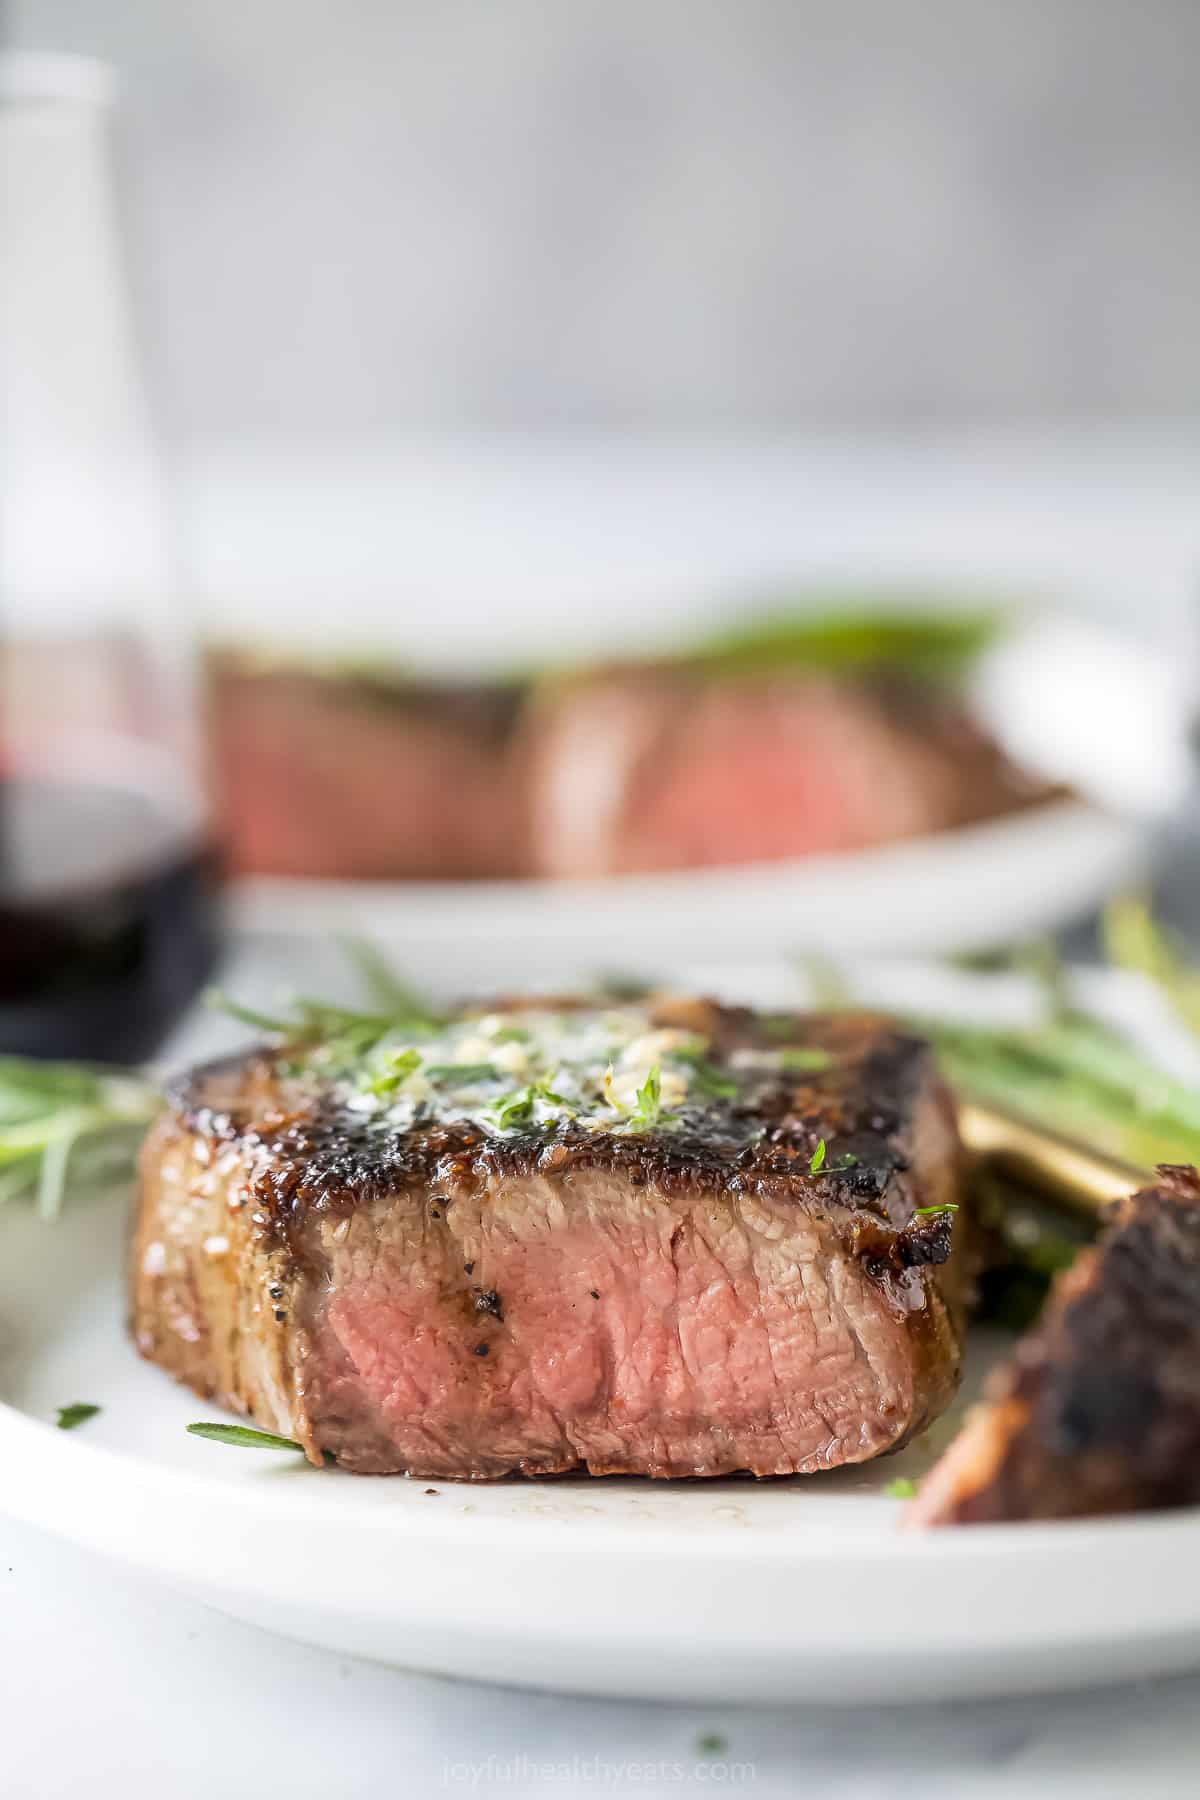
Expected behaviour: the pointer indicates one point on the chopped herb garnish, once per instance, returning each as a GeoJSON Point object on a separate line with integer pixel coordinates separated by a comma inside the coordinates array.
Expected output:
{"type": "Point", "coordinates": [219, 1001]}
{"type": "Point", "coordinates": [464, 1074]}
{"type": "Point", "coordinates": [399, 1066]}
{"type": "Point", "coordinates": [514, 1109]}
{"type": "Point", "coordinates": [343, 1034]}
{"type": "Point", "coordinates": [708, 1078]}
{"type": "Point", "coordinates": [517, 1108]}
{"type": "Point", "coordinates": [243, 1437]}
{"type": "Point", "coordinates": [927, 1212]}
{"type": "Point", "coordinates": [817, 1162]}
{"type": "Point", "coordinates": [711, 1744]}
{"type": "Point", "coordinates": [78, 1414]}
{"type": "Point", "coordinates": [806, 1060]}
{"type": "Point", "coordinates": [903, 1488]}
{"type": "Point", "coordinates": [648, 1110]}
{"type": "Point", "coordinates": [511, 1034]}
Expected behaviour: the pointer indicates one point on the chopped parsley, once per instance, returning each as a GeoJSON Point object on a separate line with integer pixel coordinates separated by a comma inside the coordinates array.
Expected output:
{"type": "Point", "coordinates": [902, 1488]}
{"type": "Point", "coordinates": [648, 1111]}
{"type": "Point", "coordinates": [928, 1212]}
{"type": "Point", "coordinates": [817, 1162]}
{"type": "Point", "coordinates": [78, 1414]}
{"type": "Point", "coordinates": [220, 1001]}
{"type": "Point", "coordinates": [399, 1066]}
{"type": "Point", "coordinates": [518, 1108]}
{"type": "Point", "coordinates": [514, 1109]}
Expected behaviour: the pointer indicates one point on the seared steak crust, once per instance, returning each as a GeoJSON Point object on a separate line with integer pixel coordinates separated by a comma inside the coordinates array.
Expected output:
{"type": "Point", "coordinates": [1098, 1411]}
{"type": "Point", "coordinates": [687, 1300]}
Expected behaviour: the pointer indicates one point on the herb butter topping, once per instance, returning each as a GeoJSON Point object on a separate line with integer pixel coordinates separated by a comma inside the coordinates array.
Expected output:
{"type": "Point", "coordinates": [607, 1069]}
{"type": "Point", "coordinates": [619, 1066]}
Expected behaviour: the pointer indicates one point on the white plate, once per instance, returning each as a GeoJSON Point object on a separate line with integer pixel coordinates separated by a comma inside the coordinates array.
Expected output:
{"type": "Point", "coordinates": [1074, 702]}
{"type": "Point", "coordinates": [733, 1590]}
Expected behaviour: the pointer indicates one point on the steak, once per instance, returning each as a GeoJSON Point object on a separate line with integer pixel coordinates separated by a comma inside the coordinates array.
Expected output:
{"type": "Point", "coordinates": [359, 778]}
{"type": "Point", "coordinates": [695, 1240]}
{"type": "Point", "coordinates": [371, 775]}
{"type": "Point", "coordinates": [1098, 1411]}
{"type": "Point", "coordinates": [631, 772]}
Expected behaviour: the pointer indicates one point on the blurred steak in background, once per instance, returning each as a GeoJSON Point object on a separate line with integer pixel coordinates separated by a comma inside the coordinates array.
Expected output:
{"type": "Point", "coordinates": [637, 772]}
{"type": "Point", "coordinates": [354, 776]}
{"type": "Point", "coordinates": [784, 739]}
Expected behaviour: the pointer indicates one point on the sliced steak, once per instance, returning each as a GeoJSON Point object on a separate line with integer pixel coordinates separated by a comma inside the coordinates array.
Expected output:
{"type": "Point", "coordinates": [635, 771]}
{"type": "Point", "coordinates": [348, 776]}
{"type": "Point", "coordinates": [631, 1269]}
{"type": "Point", "coordinates": [1098, 1411]}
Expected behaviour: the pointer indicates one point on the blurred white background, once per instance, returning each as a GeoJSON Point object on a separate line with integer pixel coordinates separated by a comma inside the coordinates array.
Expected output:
{"type": "Point", "coordinates": [357, 216]}
{"type": "Point", "coordinates": [690, 297]}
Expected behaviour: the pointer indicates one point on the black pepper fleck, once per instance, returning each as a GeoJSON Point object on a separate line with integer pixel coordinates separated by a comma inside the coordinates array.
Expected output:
{"type": "Point", "coordinates": [482, 1349]}
{"type": "Point", "coordinates": [594, 1292]}
{"type": "Point", "coordinates": [280, 1314]}
{"type": "Point", "coordinates": [469, 1267]}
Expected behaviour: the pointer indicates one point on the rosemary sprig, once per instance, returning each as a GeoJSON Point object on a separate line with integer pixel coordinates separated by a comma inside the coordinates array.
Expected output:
{"type": "Point", "coordinates": [243, 1437]}
{"type": "Point", "coordinates": [64, 1124]}
{"type": "Point", "coordinates": [69, 1417]}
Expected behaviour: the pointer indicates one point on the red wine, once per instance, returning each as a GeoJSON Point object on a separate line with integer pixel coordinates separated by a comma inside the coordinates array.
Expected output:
{"type": "Point", "coordinates": [108, 920]}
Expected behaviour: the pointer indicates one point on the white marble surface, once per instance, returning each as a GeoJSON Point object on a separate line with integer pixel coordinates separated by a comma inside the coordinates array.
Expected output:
{"type": "Point", "coordinates": [109, 1686]}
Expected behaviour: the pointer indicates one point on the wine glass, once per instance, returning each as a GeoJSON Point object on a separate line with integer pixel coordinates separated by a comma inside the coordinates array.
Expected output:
{"type": "Point", "coordinates": [107, 876]}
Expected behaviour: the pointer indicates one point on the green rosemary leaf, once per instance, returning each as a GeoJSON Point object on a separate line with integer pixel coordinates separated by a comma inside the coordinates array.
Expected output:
{"type": "Point", "coordinates": [903, 1488]}
{"type": "Point", "coordinates": [243, 1437]}
{"type": "Point", "coordinates": [78, 1414]}
{"type": "Point", "coordinates": [219, 1001]}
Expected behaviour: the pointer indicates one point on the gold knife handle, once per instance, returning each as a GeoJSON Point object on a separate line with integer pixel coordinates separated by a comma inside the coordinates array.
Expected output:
{"type": "Point", "coordinates": [1073, 1174]}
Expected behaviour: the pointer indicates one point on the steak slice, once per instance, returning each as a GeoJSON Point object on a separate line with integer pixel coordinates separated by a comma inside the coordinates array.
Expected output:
{"type": "Point", "coordinates": [633, 771]}
{"type": "Point", "coordinates": [347, 776]}
{"type": "Point", "coordinates": [627, 1265]}
{"type": "Point", "coordinates": [1098, 1411]}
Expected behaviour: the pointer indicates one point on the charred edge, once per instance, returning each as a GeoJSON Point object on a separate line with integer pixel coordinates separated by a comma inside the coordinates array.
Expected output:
{"type": "Point", "coordinates": [323, 1160]}
{"type": "Point", "coordinates": [1111, 1354]}
{"type": "Point", "coordinates": [919, 1244]}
